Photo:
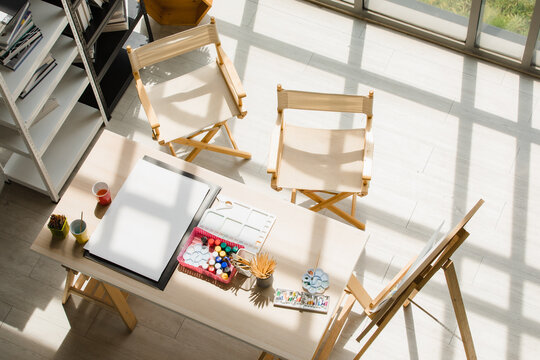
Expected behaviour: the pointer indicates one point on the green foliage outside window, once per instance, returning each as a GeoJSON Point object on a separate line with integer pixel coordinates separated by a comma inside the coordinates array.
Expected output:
{"type": "Point", "coordinates": [511, 15]}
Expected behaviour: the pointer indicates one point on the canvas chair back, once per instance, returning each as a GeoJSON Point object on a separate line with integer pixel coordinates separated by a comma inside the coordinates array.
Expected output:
{"type": "Point", "coordinates": [173, 45]}
{"type": "Point", "coordinates": [291, 99]}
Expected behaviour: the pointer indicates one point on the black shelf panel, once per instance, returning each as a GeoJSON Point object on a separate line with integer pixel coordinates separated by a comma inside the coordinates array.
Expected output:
{"type": "Point", "coordinates": [109, 43]}
{"type": "Point", "coordinates": [110, 67]}
{"type": "Point", "coordinates": [116, 80]}
{"type": "Point", "coordinates": [100, 17]}
{"type": "Point", "coordinates": [88, 97]}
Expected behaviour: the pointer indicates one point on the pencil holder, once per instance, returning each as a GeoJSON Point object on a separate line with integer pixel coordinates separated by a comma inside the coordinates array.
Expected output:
{"type": "Point", "coordinates": [264, 283]}
{"type": "Point", "coordinates": [59, 233]}
{"type": "Point", "coordinates": [62, 233]}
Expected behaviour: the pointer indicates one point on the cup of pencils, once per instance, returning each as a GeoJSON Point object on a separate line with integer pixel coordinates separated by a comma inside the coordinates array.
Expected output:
{"type": "Point", "coordinates": [102, 192]}
{"type": "Point", "coordinates": [262, 266]}
{"type": "Point", "coordinates": [78, 229]}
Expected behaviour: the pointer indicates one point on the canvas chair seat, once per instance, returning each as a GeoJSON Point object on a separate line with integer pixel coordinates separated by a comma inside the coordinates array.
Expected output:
{"type": "Point", "coordinates": [191, 102]}
{"type": "Point", "coordinates": [322, 159]}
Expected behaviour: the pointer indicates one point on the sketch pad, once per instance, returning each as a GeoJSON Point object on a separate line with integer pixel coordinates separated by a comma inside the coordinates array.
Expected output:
{"type": "Point", "coordinates": [155, 208]}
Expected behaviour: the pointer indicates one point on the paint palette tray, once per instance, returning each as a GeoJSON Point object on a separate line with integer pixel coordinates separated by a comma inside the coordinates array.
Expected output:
{"type": "Point", "coordinates": [238, 222]}
{"type": "Point", "coordinates": [315, 281]}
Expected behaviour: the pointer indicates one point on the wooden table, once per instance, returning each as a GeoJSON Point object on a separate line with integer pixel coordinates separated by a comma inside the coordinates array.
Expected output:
{"type": "Point", "coordinates": [295, 241]}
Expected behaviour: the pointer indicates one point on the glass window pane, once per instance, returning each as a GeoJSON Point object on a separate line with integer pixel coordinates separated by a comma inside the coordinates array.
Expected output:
{"type": "Point", "coordinates": [505, 25]}
{"type": "Point", "coordinates": [446, 17]}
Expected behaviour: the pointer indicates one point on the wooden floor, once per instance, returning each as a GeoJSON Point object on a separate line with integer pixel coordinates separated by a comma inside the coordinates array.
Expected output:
{"type": "Point", "coordinates": [449, 129]}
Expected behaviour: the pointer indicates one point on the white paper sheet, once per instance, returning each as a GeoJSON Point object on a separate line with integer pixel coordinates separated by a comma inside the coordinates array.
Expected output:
{"type": "Point", "coordinates": [147, 219]}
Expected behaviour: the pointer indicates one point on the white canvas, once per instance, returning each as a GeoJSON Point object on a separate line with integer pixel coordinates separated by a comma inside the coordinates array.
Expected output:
{"type": "Point", "coordinates": [432, 244]}
{"type": "Point", "coordinates": [147, 219]}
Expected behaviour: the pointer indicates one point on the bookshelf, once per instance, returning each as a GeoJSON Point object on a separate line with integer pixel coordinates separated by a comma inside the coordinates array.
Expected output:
{"type": "Point", "coordinates": [45, 152]}
{"type": "Point", "coordinates": [110, 68]}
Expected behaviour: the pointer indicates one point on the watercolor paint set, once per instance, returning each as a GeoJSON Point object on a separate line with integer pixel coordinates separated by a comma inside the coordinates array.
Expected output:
{"type": "Point", "coordinates": [301, 300]}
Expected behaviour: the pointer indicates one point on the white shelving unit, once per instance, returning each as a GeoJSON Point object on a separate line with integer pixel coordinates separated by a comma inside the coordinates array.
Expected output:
{"type": "Point", "coordinates": [46, 152]}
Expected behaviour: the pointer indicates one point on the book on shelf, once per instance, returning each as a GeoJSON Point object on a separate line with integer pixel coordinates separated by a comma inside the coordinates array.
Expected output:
{"type": "Point", "coordinates": [24, 41]}
{"type": "Point", "coordinates": [91, 55]}
{"type": "Point", "coordinates": [44, 68]}
{"type": "Point", "coordinates": [16, 61]}
{"type": "Point", "coordinates": [98, 2]}
{"type": "Point", "coordinates": [118, 20]}
{"type": "Point", "coordinates": [19, 37]}
{"type": "Point", "coordinates": [12, 14]}
{"type": "Point", "coordinates": [84, 14]}
{"type": "Point", "coordinates": [49, 106]}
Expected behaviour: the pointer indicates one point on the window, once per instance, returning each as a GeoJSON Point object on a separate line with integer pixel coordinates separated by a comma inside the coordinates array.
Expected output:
{"type": "Point", "coordinates": [446, 17]}
{"type": "Point", "coordinates": [505, 26]}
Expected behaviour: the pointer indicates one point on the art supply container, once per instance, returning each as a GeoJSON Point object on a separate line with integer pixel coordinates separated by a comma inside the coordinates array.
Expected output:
{"type": "Point", "coordinates": [264, 283]}
{"type": "Point", "coordinates": [102, 192]}
{"type": "Point", "coordinates": [78, 229]}
{"type": "Point", "coordinates": [198, 233]}
{"type": "Point", "coordinates": [60, 234]}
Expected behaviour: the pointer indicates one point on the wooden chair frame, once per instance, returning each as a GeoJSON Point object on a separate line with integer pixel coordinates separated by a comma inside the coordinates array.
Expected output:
{"type": "Point", "coordinates": [381, 309]}
{"type": "Point", "coordinates": [290, 99]}
{"type": "Point", "coordinates": [99, 293]}
{"type": "Point", "coordinates": [175, 45]}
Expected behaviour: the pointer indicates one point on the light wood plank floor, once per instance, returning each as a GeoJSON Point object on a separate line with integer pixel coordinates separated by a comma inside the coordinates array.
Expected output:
{"type": "Point", "coordinates": [449, 129]}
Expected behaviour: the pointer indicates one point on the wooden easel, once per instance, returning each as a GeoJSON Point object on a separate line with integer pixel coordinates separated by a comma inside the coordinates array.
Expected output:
{"type": "Point", "coordinates": [402, 289]}
{"type": "Point", "coordinates": [99, 292]}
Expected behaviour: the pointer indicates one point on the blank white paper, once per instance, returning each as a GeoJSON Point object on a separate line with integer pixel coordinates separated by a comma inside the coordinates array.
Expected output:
{"type": "Point", "coordinates": [147, 219]}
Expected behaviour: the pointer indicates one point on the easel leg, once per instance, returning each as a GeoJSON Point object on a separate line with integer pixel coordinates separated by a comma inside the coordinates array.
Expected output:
{"type": "Point", "coordinates": [337, 326]}
{"type": "Point", "coordinates": [413, 294]}
{"type": "Point", "coordinates": [121, 305]}
{"type": "Point", "coordinates": [459, 309]}
{"type": "Point", "coordinates": [380, 326]}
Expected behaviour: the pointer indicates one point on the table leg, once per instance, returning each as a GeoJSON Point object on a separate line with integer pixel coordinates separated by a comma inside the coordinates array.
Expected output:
{"type": "Point", "coordinates": [121, 305]}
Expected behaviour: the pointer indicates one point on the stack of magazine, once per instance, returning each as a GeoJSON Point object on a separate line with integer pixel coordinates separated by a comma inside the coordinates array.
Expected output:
{"type": "Point", "coordinates": [44, 68]}
{"type": "Point", "coordinates": [18, 35]}
{"type": "Point", "coordinates": [119, 20]}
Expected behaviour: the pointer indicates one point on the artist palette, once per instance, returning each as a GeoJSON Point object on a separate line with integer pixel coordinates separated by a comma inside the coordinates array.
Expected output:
{"type": "Point", "coordinates": [315, 281]}
{"type": "Point", "coordinates": [239, 222]}
{"type": "Point", "coordinates": [197, 255]}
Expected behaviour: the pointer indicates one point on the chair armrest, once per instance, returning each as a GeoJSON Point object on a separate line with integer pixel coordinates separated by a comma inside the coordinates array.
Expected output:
{"type": "Point", "coordinates": [368, 156]}
{"type": "Point", "coordinates": [275, 146]}
{"type": "Point", "coordinates": [145, 101]}
{"type": "Point", "coordinates": [232, 78]}
{"type": "Point", "coordinates": [148, 109]}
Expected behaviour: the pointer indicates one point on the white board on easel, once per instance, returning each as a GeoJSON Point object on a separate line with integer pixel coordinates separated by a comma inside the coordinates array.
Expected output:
{"type": "Point", "coordinates": [147, 219]}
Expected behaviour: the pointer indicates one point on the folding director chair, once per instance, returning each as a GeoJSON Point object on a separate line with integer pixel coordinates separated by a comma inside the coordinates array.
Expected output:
{"type": "Point", "coordinates": [332, 161]}
{"type": "Point", "coordinates": [195, 103]}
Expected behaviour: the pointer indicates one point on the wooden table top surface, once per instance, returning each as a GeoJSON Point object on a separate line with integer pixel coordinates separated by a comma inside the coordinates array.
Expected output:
{"type": "Point", "coordinates": [295, 241]}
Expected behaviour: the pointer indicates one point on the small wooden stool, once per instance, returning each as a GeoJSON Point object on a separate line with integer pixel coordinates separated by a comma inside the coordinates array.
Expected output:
{"type": "Point", "coordinates": [100, 293]}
